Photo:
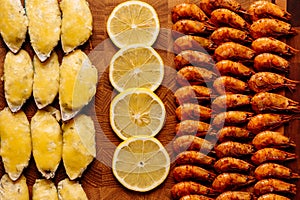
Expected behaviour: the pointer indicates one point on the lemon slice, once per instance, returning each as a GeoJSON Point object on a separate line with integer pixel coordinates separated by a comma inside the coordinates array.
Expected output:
{"type": "Point", "coordinates": [141, 163]}
{"type": "Point", "coordinates": [137, 112]}
{"type": "Point", "coordinates": [136, 66]}
{"type": "Point", "coordinates": [133, 22]}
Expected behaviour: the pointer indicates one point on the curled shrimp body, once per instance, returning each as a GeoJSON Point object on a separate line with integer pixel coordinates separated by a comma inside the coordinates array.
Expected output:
{"type": "Point", "coordinates": [273, 185]}
{"type": "Point", "coordinates": [271, 196]}
{"type": "Point", "coordinates": [187, 11]}
{"type": "Point", "coordinates": [192, 127]}
{"type": "Point", "coordinates": [227, 34]}
{"type": "Point", "coordinates": [231, 118]}
{"type": "Point", "coordinates": [267, 121]}
{"type": "Point", "coordinates": [267, 81]}
{"type": "Point", "coordinates": [190, 57]}
{"type": "Point", "coordinates": [236, 69]}
{"type": "Point", "coordinates": [193, 94]}
{"type": "Point", "coordinates": [233, 149]}
{"type": "Point", "coordinates": [233, 133]}
{"type": "Point", "coordinates": [265, 9]}
{"type": "Point", "coordinates": [229, 164]}
{"type": "Point", "coordinates": [270, 62]}
{"type": "Point", "coordinates": [189, 188]}
{"type": "Point", "coordinates": [192, 42]}
{"type": "Point", "coordinates": [193, 112]}
{"type": "Point", "coordinates": [225, 17]}
{"type": "Point", "coordinates": [206, 6]}
{"type": "Point", "coordinates": [195, 197]}
{"type": "Point", "coordinates": [271, 27]}
{"type": "Point", "coordinates": [228, 84]}
{"type": "Point", "coordinates": [230, 101]}
{"type": "Point", "coordinates": [190, 142]}
{"type": "Point", "coordinates": [231, 181]}
{"type": "Point", "coordinates": [209, 5]}
{"type": "Point", "coordinates": [191, 75]}
{"type": "Point", "coordinates": [191, 27]}
{"type": "Point", "coordinates": [265, 101]}
{"type": "Point", "coordinates": [194, 158]}
{"type": "Point", "coordinates": [271, 155]}
{"type": "Point", "coordinates": [271, 45]}
{"type": "Point", "coordinates": [192, 172]}
{"type": "Point", "coordinates": [236, 195]}
{"type": "Point", "coordinates": [272, 139]}
{"type": "Point", "coordinates": [233, 51]}
{"type": "Point", "coordinates": [273, 170]}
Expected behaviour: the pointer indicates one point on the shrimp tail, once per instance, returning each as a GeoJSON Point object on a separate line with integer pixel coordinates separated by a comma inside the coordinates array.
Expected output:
{"type": "Point", "coordinates": [292, 51]}
{"type": "Point", "coordinates": [210, 27]}
{"type": "Point", "coordinates": [295, 175]}
{"type": "Point", "coordinates": [291, 156]}
{"type": "Point", "coordinates": [293, 31]}
{"type": "Point", "coordinates": [295, 109]}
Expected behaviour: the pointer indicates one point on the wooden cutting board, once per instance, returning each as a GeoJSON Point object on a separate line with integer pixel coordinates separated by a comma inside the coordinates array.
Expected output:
{"type": "Point", "coordinates": [98, 180]}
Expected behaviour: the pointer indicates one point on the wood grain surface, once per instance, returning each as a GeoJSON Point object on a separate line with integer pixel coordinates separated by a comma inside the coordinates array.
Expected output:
{"type": "Point", "coordinates": [98, 180]}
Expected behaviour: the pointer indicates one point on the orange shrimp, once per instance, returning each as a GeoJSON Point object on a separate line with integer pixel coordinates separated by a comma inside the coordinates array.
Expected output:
{"type": "Point", "coordinates": [192, 127]}
{"type": "Point", "coordinates": [265, 9]}
{"type": "Point", "coordinates": [188, 188]}
{"type": "Point", "coordinates": [227, 34]}
{"type": "Point", "coordinates": [193, 112]}
{"type": "Point", "coordinates": [233, 149]}
{"type": "Point", "coordinates": [233, 51]}
{"type": "Point", "coordinates": [230, 101]}
{"type": "Point", "coordinates": [206, 6]}
{"type": "Point", "coordinates": [231, 118]}
{"type": "Point", "coordinates": [267, 81]}
{"type": "Point", "coordinates": [233, 133]}
{"type": "Point", "coordinates": [187, 11]}
{"type": "Point", "coordinates": [195, 58]}
{"type": "Point", "coordinates": [273, 185]}
{"type": "Point", "coordinates": [236, 195]}
{"type": "Point", "coordinates": [271, 155]}
{"type": "Point", "coordinates": [236, 69]}
{"type": "Point", "coordinates": [194, 158]}
{"type": "Point", "coordinates": [272, 139]}
{"type": "Point", "coordinates": [190, 142]}
{"type": "Point", "coordinates": [265, 101]}
{"type": "Point", "coordinates": [193, 94]}
{"type": "Point", "coordinates": [191, 75]}
{"type": "Point", "coordinates": [195, 197]}
{"type": "Point", "coordinates": [194, 173]}
{"type": "Point", "coordinates": [192, 42]}
{"type": "Point", "coordinates": [229, 164]}
{"type": "Point", "coordinates": [271, 28]}
{"type": "Point", "coordinates": [273, 170]}
{"type": "Point", "coordinates": [272, 196]}
{"type": "Point", "coordinates": [270, 62]}
{"type": "Point", "coordinates": [209, 5]}
{"type": "Point", "coordinates": [271, 45]}
{"type": "Point", "coordinates": [228, 84]}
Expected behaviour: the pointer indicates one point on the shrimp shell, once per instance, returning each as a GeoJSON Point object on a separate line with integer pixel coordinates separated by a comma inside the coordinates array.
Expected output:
{"type": "Point", "coordinates": [230, 68]}
{"type": "Point", "coordinates": [194, 158]}
{"type": "Point", "coordinates": [273, 185]}
{"type": "Point", "coordinates": [227, 34]}
{"type": "Point", "coordinates": [229, 101]}
{"type": "Point", "coordinates": [271, 45]}
{"type": "Point", "coordinates": [195, 58]}
{"type": "Point", "coordinates": [236, 195]}
{"type": "Point", "coordinates": [231, 181]}
{"type": "Point", "coordinates": [271, 28]}
{"type": "Point", "coordinates": [193, 112]}
{"type": "Point", "coordinates": [270, 62]}
{"type": "Point", "coordinates": [206, 6]}
{"type": "Point", "coordinates": [228, 4]}
{"type": "Point", "coordinates": [189, 188]}
{"type": "Point", "coordinates": [272, 139]}
{"type": "Point", "coordinates": [187, 11]}
{"type": "Point", "coordinates": [192, 127]}
{"type": "Point", "coordinates": [265, 9]}
{"type": "Point", "coordinates": [234, 51]}
{"type": "Point", "coordinates": [267, 81]}
{"type": "Point", "coordinates": [271, 196]}
{"type": "Point", "coordinates": [265, 101]}
{"type": "Point", "coordinates": [271, 154]}
{"type": "Point", "coordinates": [233, 149]}
{"type": "Point", "coordinates": [231, 118]}
{"type": "Point", "coordinates": [229, 164]}
{"type": "Point", "coordinates": [191, 27]}
{"type": "Point", "coordinates": [192, 42]}
{"type": "Point", "coordinates": [225, 17]}
{"type": "Point", "coordinates": [228, 84]}
{"type": "Point", "coordinates": [195, 197]}
{"type": "Point", "coordinates": [191, 75]}
{"type": "Point", "coordinates": [267, 121]}
{"type": "Point", "coordinates": [233, 133]}
{"type": "Point", "coordinates": [190, 142]}
{"type": "Point", "coordinates": [193, 94]}
{"type": "Point", "coordinates": [273, 170]}
{"type": "Point", "coordinates": [191, 172]}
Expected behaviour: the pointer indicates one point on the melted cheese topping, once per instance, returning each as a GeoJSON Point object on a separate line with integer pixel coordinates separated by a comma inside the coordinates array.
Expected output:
{"type": "Point", "coordinates": [70, 190]}
{"type": "Point", "coordinates": [13, 190]}
{"type": "Point", "coordinates": [44, 190]}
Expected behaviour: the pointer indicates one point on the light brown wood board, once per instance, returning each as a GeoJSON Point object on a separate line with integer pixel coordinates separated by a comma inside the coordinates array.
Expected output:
{"type": "Point", "coordinates": [98, 180]}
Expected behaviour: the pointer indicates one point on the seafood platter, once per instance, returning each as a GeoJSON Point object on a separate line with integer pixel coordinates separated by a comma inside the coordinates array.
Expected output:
{"type": "Point", "coordinates": [171, 99]}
